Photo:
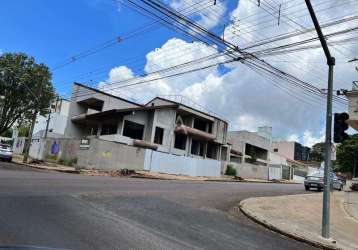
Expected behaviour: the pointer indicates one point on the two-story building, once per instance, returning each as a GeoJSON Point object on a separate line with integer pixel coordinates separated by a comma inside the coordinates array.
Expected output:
{"type": "Point", "coordinates": [160, 124]}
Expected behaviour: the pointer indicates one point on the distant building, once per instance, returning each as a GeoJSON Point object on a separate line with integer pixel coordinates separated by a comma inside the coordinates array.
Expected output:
{"type": "Point", "coordinates": [58, 120]}
{"type": "Point", "coordinates": [291, 150]}
{"type": "Point", "coordinates": [353, 107]}
{"type": "Point", "coordinates": [249, 147]}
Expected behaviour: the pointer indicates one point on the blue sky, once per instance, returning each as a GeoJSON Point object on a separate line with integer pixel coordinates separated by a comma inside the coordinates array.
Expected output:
{"type": "Point", "coordinates": [55, 31]}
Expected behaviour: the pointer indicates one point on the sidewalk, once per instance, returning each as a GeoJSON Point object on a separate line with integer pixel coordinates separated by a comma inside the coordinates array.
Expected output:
{"type": "Point", "coordinates": [299, 216]}
{"type": "Point", "coordinates": [139, 174]}
{"type": "Point", "coordinates": [223, 178]}
{"type": "Point", "coordinates": [45, 165]}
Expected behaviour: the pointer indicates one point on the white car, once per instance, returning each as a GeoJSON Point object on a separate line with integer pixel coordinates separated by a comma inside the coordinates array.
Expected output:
{"type": "Point", "coordinates": [315, 180]}
{"type": "Point", "coordinates": [5, 152]}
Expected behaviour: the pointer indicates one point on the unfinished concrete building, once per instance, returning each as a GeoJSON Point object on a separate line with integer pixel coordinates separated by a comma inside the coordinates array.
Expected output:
{"type": "Point", "coordinates": [161, 124]}
{"type": "Point", "coordinates": [249, 152]}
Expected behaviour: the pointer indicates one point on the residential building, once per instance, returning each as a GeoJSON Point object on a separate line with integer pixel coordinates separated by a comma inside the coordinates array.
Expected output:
{"type": "Point", "coordinates": [249, 147]}
{"type": "Point", "coordinates": [353, 107]}
{"type": "Point", "coordinates": [249, 153]}
{"type": "Point", "coordinates": [57, 122]}
{"type": "Point", "coordinates": [291, 150]}
{"type": "Point", "coordinates": [161, 124]}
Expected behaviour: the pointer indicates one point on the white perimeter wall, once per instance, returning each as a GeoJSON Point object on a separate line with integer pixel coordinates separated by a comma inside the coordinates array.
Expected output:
{"type": "Point", "coordinates": [173, 164]}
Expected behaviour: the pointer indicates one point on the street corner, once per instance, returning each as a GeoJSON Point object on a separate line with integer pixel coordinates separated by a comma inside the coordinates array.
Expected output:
{"type": "Point", "coordinates": [299, 217]}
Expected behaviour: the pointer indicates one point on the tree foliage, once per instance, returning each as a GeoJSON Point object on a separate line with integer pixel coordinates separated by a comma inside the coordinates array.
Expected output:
{"type": "Point", "coordinates": [25, 87]}
{"type": "Point", "coordinates": [317, 152]}
{"type": "Point", "coordinates": [347, 154]}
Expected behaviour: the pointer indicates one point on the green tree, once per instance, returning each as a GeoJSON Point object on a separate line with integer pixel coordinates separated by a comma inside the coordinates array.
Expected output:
{"type": "Point", "coordinates": [7, 133]}
{"type": "Point", "coordinates": [347, 155]}
{"type": "Point", "coordinates": [317, 152]}
{"type": "Point", "coordinates": [25, 87]}
{"type": "Point", "coordinates": [24, 130]}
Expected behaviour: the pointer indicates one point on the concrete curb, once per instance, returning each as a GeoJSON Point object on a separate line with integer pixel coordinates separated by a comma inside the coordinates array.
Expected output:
{"type": "Point", "coordinates": [57, 170]}
{"type": "Point", "coordinates": [209, 180]}
{"type": "Point", "coordinates": [253, 181]}
{"type": "Point", "coordinates": [274, 228]}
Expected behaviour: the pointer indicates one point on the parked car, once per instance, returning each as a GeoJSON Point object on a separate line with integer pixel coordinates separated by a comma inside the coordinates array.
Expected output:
{"type": "Point", "coordinates": [315, 180]}
{"type": "Point", "coordinates": [5, 152]}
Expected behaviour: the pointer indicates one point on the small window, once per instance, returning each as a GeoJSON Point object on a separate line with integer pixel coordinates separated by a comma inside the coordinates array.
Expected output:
{"type": "Point", "coordinates": [158, 136]}
{"type": "Point", "coordinates": [275, 150]}
{"type": "Point", "coordinates": [180, 141]}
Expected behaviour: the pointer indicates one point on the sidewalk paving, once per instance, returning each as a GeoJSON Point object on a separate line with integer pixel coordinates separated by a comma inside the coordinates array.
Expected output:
{"type": "Point", "coordinates": [222, 178]}
{"type": "Point", "coordinates": [139, 174]}
{"type": "Point", "coordinates": [299, 216]}
{"type": "Point", "coordinates": [45, 165]}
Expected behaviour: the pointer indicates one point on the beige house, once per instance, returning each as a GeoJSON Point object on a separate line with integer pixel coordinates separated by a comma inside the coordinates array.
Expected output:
{"type": "Point", "coordinates": [353, 108]}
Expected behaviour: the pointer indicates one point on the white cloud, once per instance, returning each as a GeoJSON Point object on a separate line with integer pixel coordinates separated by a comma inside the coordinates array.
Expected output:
{"type": "Point", "coordinates": [205, 13]}
{"type": "Point", "coordinates": [246, 99]}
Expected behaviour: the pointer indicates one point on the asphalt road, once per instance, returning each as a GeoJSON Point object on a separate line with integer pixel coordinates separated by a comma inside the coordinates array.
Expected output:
{"type": "Point", "coordinates": [70, 211]}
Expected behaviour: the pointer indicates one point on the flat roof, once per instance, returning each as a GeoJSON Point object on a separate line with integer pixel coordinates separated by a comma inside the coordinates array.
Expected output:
{"type": "Point", "coordinates": [105, 93]}
{"type": "Point", "coordinates": [143, 106]}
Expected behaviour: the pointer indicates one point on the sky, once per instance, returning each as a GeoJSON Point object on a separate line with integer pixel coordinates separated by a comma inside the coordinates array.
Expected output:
{"type": "Point", "coordinates": [104, 43]}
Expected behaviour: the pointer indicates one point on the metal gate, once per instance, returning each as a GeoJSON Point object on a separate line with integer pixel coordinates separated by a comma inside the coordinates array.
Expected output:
{"type": "Point", "coordinates": [275, 172]}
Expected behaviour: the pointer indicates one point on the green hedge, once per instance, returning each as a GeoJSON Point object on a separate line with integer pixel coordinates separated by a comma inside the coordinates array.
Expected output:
{"type": "Point", "coordinates": [230, 170]}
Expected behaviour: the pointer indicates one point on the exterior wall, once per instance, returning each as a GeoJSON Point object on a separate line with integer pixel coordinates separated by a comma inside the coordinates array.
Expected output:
{"type": "Point", "coordinates": [158, 102]}
{"type": "Point", "coordinates": [19, 145]}
{"type": "Point", "coordinates": [353, 108]}
{"type": "Point", "coordinates": [54, 149]}
{"type": "Point", "coordinates": [165, 118]}
{"type": "Point", "coordinates": [220, 131]}
{"type": "Point", "coordinates": [276, 159]}
{"type": "Point", "coordinates": [285, 148]}
{"type": "Point", "coordinates": [58, 119]}
{"type": "Point", "coordinates": [57, 123]}
{"type": "Point", "coordinates": [107, 155]}
{"type": "Point", "coordinates": [251, 171]}
{"type": "Point", "coordinates": [239, 138]}
{"type": "Point", "coordinates": [172, 164]}
{"type": "Point", "coordinates": [80, 93]}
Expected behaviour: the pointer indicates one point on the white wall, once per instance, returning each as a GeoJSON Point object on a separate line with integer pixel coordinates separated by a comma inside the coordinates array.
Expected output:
{"type": "Point", "coordinates": [172, 164]}
{"type": "Point", "coordinates": [285, 148]}
{"type": "Point", "coordinates": [57, 123]}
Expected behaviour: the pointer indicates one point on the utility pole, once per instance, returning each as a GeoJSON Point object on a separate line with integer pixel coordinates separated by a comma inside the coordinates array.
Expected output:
{"type": "Point", "coordinates": [27, 149]}
{"type": "Point", "coordinates": [327, 158]}
{"type": "Point", "coordinates": [47, 123]}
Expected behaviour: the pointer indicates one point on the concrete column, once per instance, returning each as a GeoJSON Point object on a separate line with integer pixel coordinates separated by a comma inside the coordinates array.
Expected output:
{"type": "Point", "coordinates": [188, 145]}
{"type": "Point", "coordinates": [99, 130]}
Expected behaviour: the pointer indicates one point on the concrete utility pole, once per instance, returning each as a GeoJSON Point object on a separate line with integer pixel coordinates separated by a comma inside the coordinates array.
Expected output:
{"type": "Point", "coordinates": [327, 157]}
{"type": "Point", "coordinates": [47, 123]}
{"type": "Point", "coordinates": [27, 149]}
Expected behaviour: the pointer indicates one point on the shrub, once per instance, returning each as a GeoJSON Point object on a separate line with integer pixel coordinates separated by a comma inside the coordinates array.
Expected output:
{"type": "Point", "coordinates": [51, 157]}
{"type": "Point", "coordinates": [68, 162]}
{"type": "Point", "coordinates": [230, 170]}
